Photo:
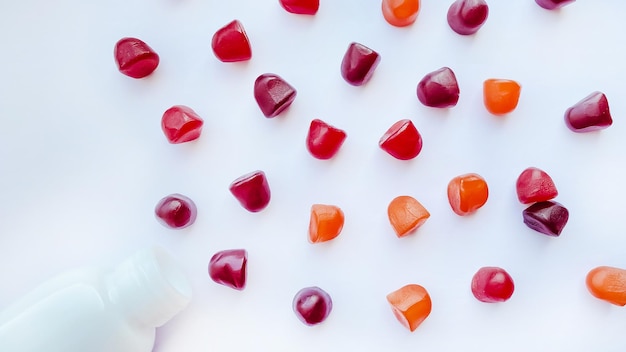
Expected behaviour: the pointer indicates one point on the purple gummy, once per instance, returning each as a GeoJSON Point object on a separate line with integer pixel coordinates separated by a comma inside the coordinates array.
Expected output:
{"type": "Point", "coordinates": [553, 4]}
{"type": "Point", "coordinates": [273, 94]}
{"type": "Point", "coordinates": [228, 268]}
{"type": "Point", "coordinates": [590, 114]}
{"type": "Point", "coordinates": [312, 305]}
{"type": "Point", "coordinates": [439, 89]}
{"type": "Point", "coordinates": [547, 217]}
{"type": "Point", "coordinates": [467, 16]}
{"type": "Point", "coordinates": [358, 64]}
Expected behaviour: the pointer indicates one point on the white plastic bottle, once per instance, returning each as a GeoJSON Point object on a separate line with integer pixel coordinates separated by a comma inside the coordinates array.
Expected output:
{"type": "Point", "coordinates": [98, 310]}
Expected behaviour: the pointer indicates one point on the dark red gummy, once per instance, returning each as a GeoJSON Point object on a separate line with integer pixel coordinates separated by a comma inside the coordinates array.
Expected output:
{"type": "Point", "coordinates": [358, 64]}
{"type": "Point", "coordinates": [547, 217]}
{"type": "Point", "coordinates": [312, 305]}
{"type": "Point", "coordinates": [402, 140]}
{"type": "Point", "coordinates": [301, 7]}
{"type": "Point", "coordinates": [535, 185]}
{"type": "Point", "coordinates": [273, 94]}
{"type": "Point", "coordinates": [176, 211]}
{"type": "Point", "coordinates": [492, 284]}
{"type": "Point", "coordinates": [228, 268]}
{"type": "Point", "coordinates": [181, 124]}
{"type": "Point", "coordinates": [553, 4]}
{"type": "Point", "coordinates": [252, 191]}
{"type": "Point", "coordinates": [324, 140]}
{"type": "Point", "coordinates": [590, 114]}
{"type": "Point", "coordinates": [439, 89]}
{"type": "Point", "coordinates": [135, 58]}
{"type": "Point", "coordinates": [230, 43]}
{"type": "Point", "coordinates": [467, 16]}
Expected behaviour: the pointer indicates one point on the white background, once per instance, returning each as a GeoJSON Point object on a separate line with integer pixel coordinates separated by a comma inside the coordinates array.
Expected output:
{"type": "Point", "coordinates": [83, 162]}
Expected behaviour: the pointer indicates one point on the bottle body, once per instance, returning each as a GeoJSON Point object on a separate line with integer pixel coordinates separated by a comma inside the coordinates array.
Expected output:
{"type": "Point", "coordinates": [90, 310]}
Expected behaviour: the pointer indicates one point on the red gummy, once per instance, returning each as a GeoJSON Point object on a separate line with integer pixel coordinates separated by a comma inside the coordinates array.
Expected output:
{"type": "Point", "coordinates": [230, 43]}
{"type": "Point", "coordinates": [273, 94]}
{"type": "Point", "coordinates": [467, 16]}
{"type": "Point", "coordinates": [547, 217]}
{"type": "Point", "coordinates": [358, 64]}
{"type": "Point", "coordinates": [228, 268]}
{"type": "Point", "coordinates": [492, 284]}
{"type": "Point", "coordinates": [402, 140]}
{"type": "Point", "coordinates": [553, 4]}
{"type": "Point", "coordinates": [181, 124]}
{"type": "Point", "coordinates": [535, 185]}
{"type": "Point", "coordinates": [324, 140]}
{"type": "Point", "coordinates": [312, 305]}
{"type": "Point", "coordinates": [439, 89]}
{"type": "Point", "coordinates": [176, 211]}
{"type": "Point", "coordinates": [135, 58]}
{"type": "Point", "coordinates": [590, 114]}
{"type": "Point", "coordinates": [301, 7]}
{"type": "Point", "coordinates": [252, 191]}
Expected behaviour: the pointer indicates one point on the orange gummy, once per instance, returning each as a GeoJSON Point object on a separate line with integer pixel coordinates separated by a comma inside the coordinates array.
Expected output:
{"type": "Point", "coordinates": [400, 13]}
{"type": "Point", "coordinates": [501, 95]}
{"type": "Point", "coordinates": [411, 305]}
{"type": "Point", "coordinates": [326, 222]}
{"type": "Point", "coordinates": [608, 284]}
{"type": "Point", "coordinates": [467, 193]}
{"type": "Point", "coordinates": [406, 214]}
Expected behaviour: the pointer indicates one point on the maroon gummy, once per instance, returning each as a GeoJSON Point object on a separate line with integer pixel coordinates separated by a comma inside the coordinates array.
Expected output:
{"type": "Point", "coordinates": [252, 191]}
{"type": "Point", "coordinates": [230, 43]}
{"type": "Point", "coordinates": [312, 305]}
{"type": "Point", "coordinates": [176, 211]}
{"type": "Point", "coordinates": [358, 64]}
{"type": "Point", "coordinates": [467, 16]}
{"type": "Point", "coordinates": [590, 114]}
{"type": "Point", "coordinates": [547, 217]}
{"type": "Point", "coordinates": [228, 268]}
{"type": "Point", "coordinates": [324, 140]}
{"type": "Point", "coordinates": [553, 4]}
{"type": "Point", "coordinates": [181, 124]}
{"type": "Point", "coordinates": [273, 94]}
{"type": "Point", "coordinates": [301, 7]}
{"type": "Point", "coordinates": [492, 284]}
{"type": "Point", "coordinates": [402, 140]}
{"type": "Point", "coordinates": [439, 89]}
{"type": "Point", "coordinates": [535, 185]}
{"type": "Point", "coordinates": [135, 58]}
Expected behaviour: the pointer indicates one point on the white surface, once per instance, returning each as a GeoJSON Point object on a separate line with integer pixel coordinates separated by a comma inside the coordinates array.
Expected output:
{"type": "Point", "coordinates": [83, 162]}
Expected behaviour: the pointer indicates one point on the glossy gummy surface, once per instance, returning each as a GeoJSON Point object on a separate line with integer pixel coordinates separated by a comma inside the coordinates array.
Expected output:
{"type": "Point", "coordinates": [402, 140]}
{"type": "Point", "coordinates": [535, 185]}
{"type": "Point", "coordinates": [590, 114]}
{"type": "Point", "coordinates": [400, 13]}
{"type": "Point", "coordinates": [406, 214]}
{"type": "Point", "coordinates": [411, 305]}
{"type": "Point", "coordinates": [252, 191]}
{"type": "Point", "coordinates": [312, 305]}
{"type": "Point", "coordinates": [501, 96]}
{"type": "Point", "coordinates": [467, 193]}
{"type": "Point", "coordinates": [176, 211]}
{"type": "Point", "coordinates": [323, 140]}
{"type": "Point", "coordinates": [135, 58]}
{"type": "Point", "coordinates": [326, 223]}
{"type": "Point", "coordinates": [439, 89]}
{"type": "Point", "coordinates": [181, 124]}
{"type": "Point", "coordinates": [547, 217]}
{"type": "Point", "coordinates": [301, 7]}
{"type": "Point", "coordinates": [608, 284]}
{"type": "Point", "coordinates": [231, 44]}
{"type": "Point", "coordinates": [273, 94]}
{"type": "Point", "coordinates": [229, 267]}
{"type": "Point", "coordinates": [467, 16]}
{"type": "Point", "coordinates": [553, 4]}
{"type": "Point", "coordinates": [492, 284]}
{"type": "Point", "coordinates": [358, 64]}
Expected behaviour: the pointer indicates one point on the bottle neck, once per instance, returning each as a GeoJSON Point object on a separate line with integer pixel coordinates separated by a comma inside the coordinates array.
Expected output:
{"type": "Point", "coordinates": [149, 287]}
